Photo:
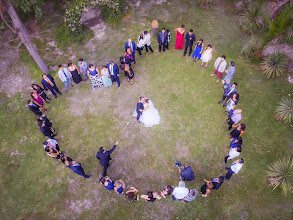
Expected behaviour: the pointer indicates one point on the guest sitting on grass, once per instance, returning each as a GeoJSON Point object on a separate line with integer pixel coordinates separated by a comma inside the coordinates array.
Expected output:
{"type": "Point", "coordinates": [107, 182]}
{"type": "Point", "coordinates": [191, 195]}
{"type": "Point", "coordinates": [206, 188]}
{"type": "Point", "coordinates": [53, 152]}
{"type": "Point", "coordinates": [180, 191]}
{"type": "Point", "coordinates": [186, 173]}
{"type": "Point", "coordinates": [119, 186]}
{"type": "Point", "coordinates": [74, 165]}
{"type": "Point", "coordinates": [132, 194]}
{"type": "Point", "coordinates": [217, 182]}
{"type": "Point", "coordinates": [167, 191]}
{"type": "Point", "coordinates": [151, 196]}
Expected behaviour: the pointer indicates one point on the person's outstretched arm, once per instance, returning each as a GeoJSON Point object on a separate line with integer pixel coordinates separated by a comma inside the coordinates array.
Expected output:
{"type": "Point", "coordinates": [113, 148]}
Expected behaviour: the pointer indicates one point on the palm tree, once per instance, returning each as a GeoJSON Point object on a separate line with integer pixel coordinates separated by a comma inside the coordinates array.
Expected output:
{"type": "Point", "coordinates": [281, 174]}
{"type": "Point", "coordinates": [284, 111]}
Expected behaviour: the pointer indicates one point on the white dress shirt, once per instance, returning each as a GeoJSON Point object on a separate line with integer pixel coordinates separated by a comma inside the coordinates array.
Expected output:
{"type": "Point", "coordinates": [236, 167]}
{"type": "Point", "coordinates": [233, 153]}
{"type": "Point", "coordinates": [180, 192]}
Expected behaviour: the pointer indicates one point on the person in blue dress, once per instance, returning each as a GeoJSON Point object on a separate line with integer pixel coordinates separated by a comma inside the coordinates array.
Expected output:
{"type": "Point", "coordinates": [198, 50]}
{"type": "Point", "coordinates": [106, 77]}
{"type": "Point", "coordinates": [107, 182]}
{"type": "Point", "coordinates": [119, 186]}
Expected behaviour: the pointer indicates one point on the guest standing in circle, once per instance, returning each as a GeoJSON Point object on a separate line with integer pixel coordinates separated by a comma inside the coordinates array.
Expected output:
{"type": "Point", "coordinates": [238, 132]}
{"type": "Point", "coordinates": [168, 39]}
{"type": "Point", "coordinates": [147, 42]}
{"type": "Point", "coordinates": [74, 72]}
{"type": "Point", "coordinates": [206, 188]}
{"type": "Point", "coordinates": [34, 108]}
{"type": "Point", "coordinates": [189, 37]}
{"type": "Point", "coordinates": [128, 72]}
{"type": "Point", "coordinates": [131, 44]}
{"type": "Point", "coordinates": [38, 100]}
{"type": "Point", "coordinates": [114, 72]}
{"type": "Point", "coordinates": [94, 74]}
{"type": "Point", "coordinates": [180, 37]}
{"type": "Point", "coordinates": [140, 44]}
{"type": "Point", "coordinates": [49, 83]}
{"type": "Point", "coordinates": [198, 50]}
{"type": "Point", "coordinates": [162, 40]}
{"type": "Point", "coordinates": [232, 103]}
{"type": "Point", "coordinates": [40, 91]}
{"type": "Point", "coordinates": [220, 66]}
{"type": "Point", "coordinates": [65, 76]}
{"type": "Point", "coordinates": [82, 65]}
{"type": "Point", "coordinates": [206, 56]}
{"type": "Point", "coordinates": [106, 77]}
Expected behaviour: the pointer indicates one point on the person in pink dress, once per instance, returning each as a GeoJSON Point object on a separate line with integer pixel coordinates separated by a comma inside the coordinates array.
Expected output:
{"type": "Point", "coordinates": [180, 37]}
{"type": "Point", "coordinates": [38, 100]}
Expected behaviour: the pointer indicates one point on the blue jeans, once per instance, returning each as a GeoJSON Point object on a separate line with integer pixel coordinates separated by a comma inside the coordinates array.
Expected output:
{"type": "Point", "coordinates": [65, 83]}
{"type": "Point", "coordinates": [229, 174]}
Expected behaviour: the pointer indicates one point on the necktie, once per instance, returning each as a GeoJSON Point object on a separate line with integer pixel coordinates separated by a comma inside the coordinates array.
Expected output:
{"type": "Point", "coordinates": [65, 74]}
{"type": "Point", "coordinates": [112, 70]}
{"type": "Point", "coordinates": [230, 91]}
{"type": "Point", "coordinates": [163, 39]}
{"type": "Point", "coordinates": [49, 81]}
{"type": "Point", "coordinates": [219, 65]}
{"type": "Point", "coordinates": [130, 44]}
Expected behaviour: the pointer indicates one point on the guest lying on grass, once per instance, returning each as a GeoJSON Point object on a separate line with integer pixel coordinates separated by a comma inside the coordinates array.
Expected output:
{"type": "Point", "coordinates": [167, 191]}
{"type": "Point", "coordinates": [107, 182]}
{"type": "Point", "coordinates": [74, 165]}
{"type": "Point", "coordinates": [132, 194]}
{"type": "Point", "coordinates": [151, 196]}
{"type": "Point", "coordinates": [119, 186]}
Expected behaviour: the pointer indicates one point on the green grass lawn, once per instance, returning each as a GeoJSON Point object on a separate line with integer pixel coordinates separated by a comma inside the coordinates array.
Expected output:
{"type": "Point", "coordinates": [35, 186]}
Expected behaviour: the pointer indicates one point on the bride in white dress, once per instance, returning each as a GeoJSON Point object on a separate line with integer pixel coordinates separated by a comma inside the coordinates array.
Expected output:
{"type": "Point", "coordinates": [150, 115]}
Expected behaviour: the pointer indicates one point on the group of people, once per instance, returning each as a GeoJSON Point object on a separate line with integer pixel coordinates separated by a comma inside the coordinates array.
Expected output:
{"type": "Point", "coordinates": [145, 111]}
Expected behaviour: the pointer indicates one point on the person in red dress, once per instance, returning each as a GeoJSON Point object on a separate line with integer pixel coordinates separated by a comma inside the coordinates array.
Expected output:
{"type": "Point", "coordinates": [180, 37]}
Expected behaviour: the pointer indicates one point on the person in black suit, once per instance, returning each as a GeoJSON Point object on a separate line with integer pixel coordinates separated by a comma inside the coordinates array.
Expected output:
{"type": "Point", "coordinates": [47, 122]}
{"type": "Point", "coordinates": [189, 37]}
{"type": "Point", "coordinates": [104, 157]}
{"type": "Point", "coordinates": [49, 83]}
{"type": "Point", "coordinates": [139, 108]}
{"type": "Point", "coordinates": [46, 130]}
{"type": "Point", "coordinates": [162, 40]}
{"type": "Point", "coordinates": [33, 108]}
{"type": "Point", "coordinates": [229, 91]}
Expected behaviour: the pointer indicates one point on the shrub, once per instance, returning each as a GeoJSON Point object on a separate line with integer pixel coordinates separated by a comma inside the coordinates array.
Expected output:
{"type": "Point", "coordinates": [252, 48]}
{"type": "Point", "coordinates": [281, 24]}
{"type": "Point", "coordinates": [64, 37]}
{"type": "Point", "coordinates": [284, 111]}
{"type": "Point", "coordinates": [114, 16]}
{"type": "Point", "coordinates": [274, 64]}
{"type": "Point", "coordinates": [206, 3]}
{"type": "Point", "coordinates": [281, 174]}
{"type": "Point", "coordinates": [255, 19]}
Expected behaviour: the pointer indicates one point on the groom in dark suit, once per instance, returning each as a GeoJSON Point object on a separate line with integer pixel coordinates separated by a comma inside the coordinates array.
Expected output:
{"type": "Point", "coordinates": [49, 83]}
{"type": "Point", "coordinates": [139, 108]}
{"type": "Point", "coordinates": [162, 40]}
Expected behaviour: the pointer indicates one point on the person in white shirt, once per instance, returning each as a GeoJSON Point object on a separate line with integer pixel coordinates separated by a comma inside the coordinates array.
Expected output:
{"type": "Point", "coordinates": [147, 42]}
{"type": "Point", "coordinates": [65, 75]}
{"type": "Point", "coordinates": [234, 168]}
{"type": "Point", "coordinates": [140, 44]}
{"type": "Point", "coordinates": [233, 152]}
{"type": "Point", "coordinates": [180, 191]}
{"type": "Point", "coordinates": [220, 66]}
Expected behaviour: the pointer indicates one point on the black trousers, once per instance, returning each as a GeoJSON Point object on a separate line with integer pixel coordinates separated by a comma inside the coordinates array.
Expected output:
{"type": "Point", "coordinates": [147, 48]}
{"type": "Point", "coordinates": [56, 89]}
{"type": "Point", "coordinates": [139, 49]}
{"type": "Point", "coordinates": [230, 123]}
{"type": "Point", "coordinates": [226, 158]}
{"type": "Point", "coordinates": [164, 47]}
{"type": "Point", "coordinates": [229, 174]}
{"type": "Point", "coordinates": [138, 115]}
{"type": "Point", "coordinates": [167, 46]}
{"type": "Point", "coordinates": [186, 47]}
{"type": "Point", "coordinates": [105, 168]}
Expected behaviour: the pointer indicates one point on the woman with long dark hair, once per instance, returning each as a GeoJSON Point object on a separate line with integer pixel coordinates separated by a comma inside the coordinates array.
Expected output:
{"type": "Point", "coordinates": [40, 90]}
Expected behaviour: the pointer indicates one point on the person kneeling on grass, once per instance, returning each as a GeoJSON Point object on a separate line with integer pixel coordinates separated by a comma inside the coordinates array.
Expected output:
{"type": "Point", "coordinates": [151, 196]}
{"type": "Point", "coordinates": [186, 173]}
{"type": "Point", "coordinates": [132, 194]}
{"type": "Point", "coordinates": [191, 195]}
{"type": "Point", "coordinates": [180, 191]}
{"type": "Point", "coordinates": [206, 188]}
{"type": "Point", "coordinates": [119, 186]}
{"type": "Point", "coordinates": [75, 166]}
{"type": "Point", "coordinates": [167, 191]}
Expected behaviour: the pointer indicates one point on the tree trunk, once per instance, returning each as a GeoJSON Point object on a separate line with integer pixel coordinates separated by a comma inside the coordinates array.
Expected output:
{"type": "Point", "coordinates": [24, 36]}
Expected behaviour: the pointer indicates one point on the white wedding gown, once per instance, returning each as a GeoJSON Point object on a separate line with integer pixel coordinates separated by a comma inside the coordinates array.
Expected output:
{"type": "Point", "coordinates": [149, 117]}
